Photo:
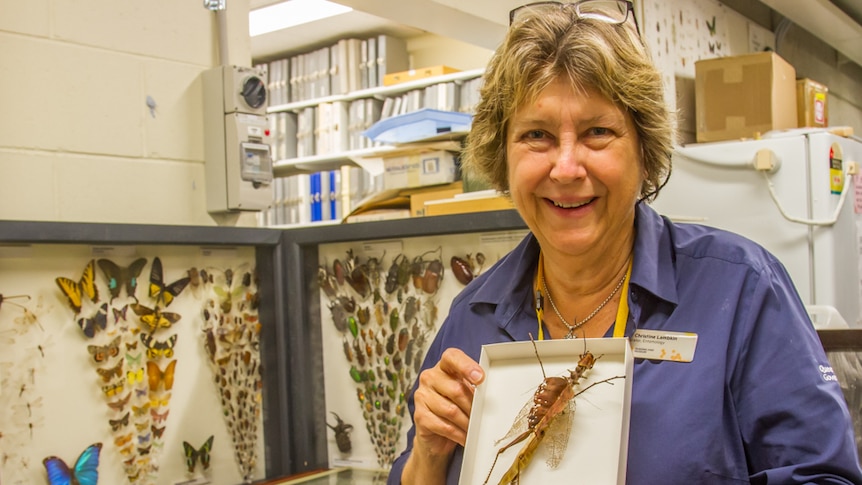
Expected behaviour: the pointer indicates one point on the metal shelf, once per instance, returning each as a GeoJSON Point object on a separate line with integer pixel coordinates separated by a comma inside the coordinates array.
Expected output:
{"type": "Point", "coordinates": [379, 92]}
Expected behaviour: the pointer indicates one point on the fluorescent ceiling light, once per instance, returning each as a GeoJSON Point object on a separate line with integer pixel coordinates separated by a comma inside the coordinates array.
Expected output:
{"type": "Point", "coordinates": [291, 13]}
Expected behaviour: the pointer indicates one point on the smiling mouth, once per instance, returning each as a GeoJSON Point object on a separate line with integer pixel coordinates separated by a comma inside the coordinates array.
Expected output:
{"type": "Point", "coordinates": [570, 206]}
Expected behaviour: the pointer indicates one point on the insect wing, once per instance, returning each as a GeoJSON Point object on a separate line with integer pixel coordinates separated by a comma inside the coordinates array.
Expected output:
{"type": "Point", "coordinates": [191, 456]}
{"type": "Point", "coordinates": [204, 453]}
{"type": "Point", "coordinates": [519, 425]}
{"type": "Point", "coordinates": [58, 471]}
{"type": "Point", "coordinates": [72, 291]}
{"type": "Point", "coordinates": [557, 435]}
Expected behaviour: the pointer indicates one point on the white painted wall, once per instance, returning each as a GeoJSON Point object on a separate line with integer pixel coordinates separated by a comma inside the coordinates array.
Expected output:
{"type": "Point", "coordinates": [77, 140]}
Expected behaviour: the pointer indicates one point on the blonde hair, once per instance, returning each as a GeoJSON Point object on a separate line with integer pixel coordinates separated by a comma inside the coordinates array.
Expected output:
{"type": "Point", "coordinates": [609, 58]}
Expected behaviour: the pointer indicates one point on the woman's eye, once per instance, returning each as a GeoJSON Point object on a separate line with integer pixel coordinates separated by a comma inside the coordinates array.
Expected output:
{"type": "Point", "coordinates": [599, 131]}
{"type": "Point", "coordinates": [534, 135]}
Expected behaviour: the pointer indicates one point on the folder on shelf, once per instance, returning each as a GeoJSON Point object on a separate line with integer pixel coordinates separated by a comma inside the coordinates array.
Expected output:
{"type": "Point", "coordinates": [419, 125]}
{"type": "Point", "coordinates": [391, 56]}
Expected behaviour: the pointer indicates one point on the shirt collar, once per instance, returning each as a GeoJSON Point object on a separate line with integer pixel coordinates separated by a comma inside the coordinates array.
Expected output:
{"type": "Point", "coordinates": [509, 284]}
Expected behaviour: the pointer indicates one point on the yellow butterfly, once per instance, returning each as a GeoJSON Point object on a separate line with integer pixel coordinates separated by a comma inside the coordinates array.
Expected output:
{"type": "Point", "coordinates": [113, 389]}
{"type": "Point", "coordinates": [159, 290]}
{"type": "Point", "coordinates": [122, 440]}
{"type": "Point", "coordinates": [135, 376]}
{"type": "Point", "coordinates": [76, 290]}
{"type": "Point", "coordinates": [163, 401]}
{"type": "Point", "coordinates": [142, 410]}
{"type": "Point", "coordinates": [157, 376]}
{"type": "Point", "coordinates": [154, 318]}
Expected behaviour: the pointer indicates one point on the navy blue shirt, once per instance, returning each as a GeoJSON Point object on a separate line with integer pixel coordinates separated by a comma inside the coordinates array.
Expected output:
{"type": "Point", "coordinates": [758, 403]}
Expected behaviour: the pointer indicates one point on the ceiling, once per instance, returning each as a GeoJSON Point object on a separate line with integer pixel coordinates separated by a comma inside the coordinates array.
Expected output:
{"type": "Point", "coordinates": [483, 23]}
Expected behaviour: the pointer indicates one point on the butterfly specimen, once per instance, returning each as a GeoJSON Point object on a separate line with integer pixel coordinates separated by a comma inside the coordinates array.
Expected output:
{"type": "Point", "coordinates": [120, 404]}
{"type": "Point", "coordinates": [711, 26]}
{"type": "Point", "coordinates": [101, 353]}
{"type": "Point", "coordinates": [122, 277]}
{"type": "Point", "coordinates": [85, 471]}
{"type": "Point", "coordinates": [159, 290]}
{"type": "Point", "coordinates": [122, 440]}
{"type": "Point", "coordinates": [120, 314]}
{"type": "Point", "coordinates": [117, 424]}
{"type": "Point", "coordinates": [156, 348]}
{"type": "Point", "coordinates": [76, 290]}
{"type": "Point", "coordinates": [142, 410]}
{"type": "Point", "coordinates": [108, 374]}
{"type": "Point", "coordinates": [158, 402]}
{"type": "Point", "coordinates": [113, 389]}
{"type": "Point", "coordinates": [136, 376]}
{"type": "Point", "coordinates": [99, 321]}
{"type": "Point", "coordinates": [142, 439]}
{"type": "Point", "coordinates": [157, 432]}
{"type": "Point", "coordinates": [202, 455]}
{"type": "Point", "coordinates": [154, 318]}
{"type": "Point", "coordinates": [144, 451]}
{"type": "Point", "coordinates": [158, 376]}
{"type": "Point", "coordinates": [134, 360]}
{"type": "Point", "coordinates": [159, 417]}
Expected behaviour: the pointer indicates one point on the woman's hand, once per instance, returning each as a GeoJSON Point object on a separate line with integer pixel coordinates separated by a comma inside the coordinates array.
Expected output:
{"type": "Point", "coordinates": [443, 402]}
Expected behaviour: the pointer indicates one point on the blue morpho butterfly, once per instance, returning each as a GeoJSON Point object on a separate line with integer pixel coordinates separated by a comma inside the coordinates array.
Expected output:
{"type": "Point", "coordinates": [85, 472]}
{"type": "Point", "coordinates": [120, 277]}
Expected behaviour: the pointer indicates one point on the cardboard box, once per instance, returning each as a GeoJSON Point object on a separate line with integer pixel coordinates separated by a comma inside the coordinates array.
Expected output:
{"type": "Point", "coordinates": [744, 96]}
{"type": "Point", "coordinates": [414, 74]}
{"type": "Point", "coordinates": [597, 450]}
{"type": "Point", "coordinates": [421, 168]}
{"type": "Point", "coordinates": [421, 196]}
{"type": "Point", "coordinates": [486, 200]}
{"type": "Point", "coordinates": [811, 106]}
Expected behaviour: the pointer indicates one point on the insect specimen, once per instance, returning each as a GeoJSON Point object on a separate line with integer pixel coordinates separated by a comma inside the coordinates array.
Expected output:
{"type": "Point", "coordinates": [76, 290]}
{"type": "Point", "coordinates": [85, 471]}
{"type": "Point", "coordinates": [158, 376]}
{"type": "Point", "coordinates": [120, 277]}
{"type": "Point", "coordinates": [342, 433]}
{"type": "Point", "coordinates": [548, 414]}
{"type": "Point", "coordinates": [194, 455]}
{"type": "Point", "coordinates": [91, 325]}
{"type": "Point", "coordinates": [160, 291]}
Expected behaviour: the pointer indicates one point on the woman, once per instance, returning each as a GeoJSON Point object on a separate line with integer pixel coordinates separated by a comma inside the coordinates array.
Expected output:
{"type": "Point", "coordinates": [572, 125]}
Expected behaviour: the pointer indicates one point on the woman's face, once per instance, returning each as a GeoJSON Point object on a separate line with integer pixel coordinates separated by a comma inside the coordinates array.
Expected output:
{"type": "Point", "coordinates": [575, 169]}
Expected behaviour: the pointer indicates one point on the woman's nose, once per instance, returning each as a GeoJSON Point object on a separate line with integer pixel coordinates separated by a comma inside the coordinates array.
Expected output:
{"type": "Point", "coordinates": [568, 164]}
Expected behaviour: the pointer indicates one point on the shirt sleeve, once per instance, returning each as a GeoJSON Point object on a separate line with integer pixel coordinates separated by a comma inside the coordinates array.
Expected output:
{"type": "Point", "coordinates": [806, 435]}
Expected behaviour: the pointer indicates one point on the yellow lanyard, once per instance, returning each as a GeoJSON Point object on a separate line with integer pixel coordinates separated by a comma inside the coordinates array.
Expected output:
{"type": "Point", "coordinates": [622, 309]}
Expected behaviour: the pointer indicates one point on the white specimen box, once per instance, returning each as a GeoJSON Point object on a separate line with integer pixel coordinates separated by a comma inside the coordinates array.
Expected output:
{"type": "Point", "coordinates": [598, 442]}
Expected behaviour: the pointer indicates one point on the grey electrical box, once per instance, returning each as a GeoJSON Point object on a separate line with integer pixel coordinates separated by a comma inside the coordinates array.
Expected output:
{"type": "Point", "coordinates": [237, 140]}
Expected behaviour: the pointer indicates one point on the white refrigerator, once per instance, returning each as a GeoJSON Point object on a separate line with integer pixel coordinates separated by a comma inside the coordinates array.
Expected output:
{"type": "Point", "coordinates": [795, 193]}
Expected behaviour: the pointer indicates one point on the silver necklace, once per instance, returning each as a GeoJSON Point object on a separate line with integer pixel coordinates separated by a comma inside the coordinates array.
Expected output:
{"type": "Point", "coordinates": [577, 325]}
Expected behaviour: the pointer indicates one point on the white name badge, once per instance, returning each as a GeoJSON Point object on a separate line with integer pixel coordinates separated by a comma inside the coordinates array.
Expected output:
{"type": "Point", "coordinates": [661, 345]}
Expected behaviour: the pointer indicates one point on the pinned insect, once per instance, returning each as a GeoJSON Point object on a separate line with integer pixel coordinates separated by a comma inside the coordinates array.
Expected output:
{"type": "Point", "coordinates": [549, 412]}
{"type": "Point", "coordinates": [342, 433]}
{"type": "Point", "coordinates": [465, 269]}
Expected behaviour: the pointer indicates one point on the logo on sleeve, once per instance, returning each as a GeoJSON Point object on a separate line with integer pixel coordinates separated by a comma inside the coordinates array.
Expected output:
{"type": "Point", "coordinates": [827, 373]}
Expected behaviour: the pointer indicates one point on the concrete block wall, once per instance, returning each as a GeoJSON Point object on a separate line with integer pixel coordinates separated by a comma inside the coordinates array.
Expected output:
{"type": "Point", "coordinates": [78, 142]}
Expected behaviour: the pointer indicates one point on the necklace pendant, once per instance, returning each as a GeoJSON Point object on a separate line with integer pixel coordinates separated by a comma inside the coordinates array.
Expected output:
{"type": "Point", "coordinates": [570, 335]}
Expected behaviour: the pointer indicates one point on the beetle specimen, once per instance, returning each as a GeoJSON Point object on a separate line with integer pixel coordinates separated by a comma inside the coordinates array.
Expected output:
{"type": "Point", "coordinates": [342, 434]}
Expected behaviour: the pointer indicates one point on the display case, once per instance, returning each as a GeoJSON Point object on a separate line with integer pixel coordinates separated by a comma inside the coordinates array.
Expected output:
{"type": "Point", "coordinates": [150, 353]}
{"type": "Point", "coordinates": [51, 335]}
{"type": "Point", "coordinates": [324, 379]}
